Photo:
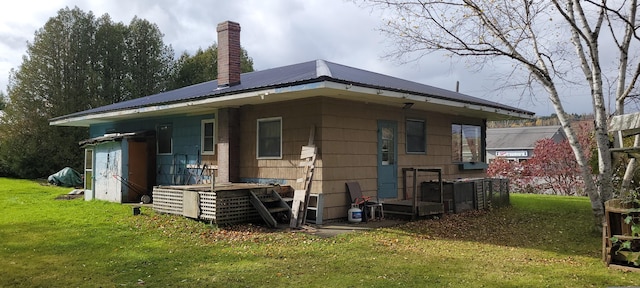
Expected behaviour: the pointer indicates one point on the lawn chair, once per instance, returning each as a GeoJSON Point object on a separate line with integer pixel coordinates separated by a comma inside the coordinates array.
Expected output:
{"type": "Point", "coordinates": [369, 208]}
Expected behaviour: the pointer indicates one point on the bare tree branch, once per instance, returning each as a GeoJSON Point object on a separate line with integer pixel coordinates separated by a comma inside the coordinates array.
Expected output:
{"type": "Point", "coordinates": [532, 35]}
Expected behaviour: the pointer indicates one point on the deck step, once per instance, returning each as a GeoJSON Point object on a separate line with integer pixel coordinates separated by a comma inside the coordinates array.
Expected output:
{"type": "Point", "coordinates": [278, 209]}
{"type": "Point", "coordinates": [269, 206]}
{"type": "Point", "coordinates": [270, 199]}
{"type": "Point", "coordinates": [398, 212]}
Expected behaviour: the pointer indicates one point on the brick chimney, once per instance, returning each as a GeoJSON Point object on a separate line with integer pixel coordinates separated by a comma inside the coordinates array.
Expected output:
{"type": "Point", "coordinates": [229, 52]}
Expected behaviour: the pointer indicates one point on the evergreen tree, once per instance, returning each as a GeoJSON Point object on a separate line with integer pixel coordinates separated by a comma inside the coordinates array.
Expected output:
{"type": "Point", "coordinates": [51, 81]}
{"type": "Point", "coordinates": [110, 62]}
{"type": "Point", "coordinates": [203, 66]}
{"type": "Point", "coordinates": [75, 62]}
{"type": "Point", "coordinates": [149, 60]}
{"type": "Point", "coordinates": [3, 100]}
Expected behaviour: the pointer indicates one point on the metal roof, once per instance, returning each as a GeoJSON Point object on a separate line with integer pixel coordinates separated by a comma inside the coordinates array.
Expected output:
{"type": "Point", "coordinates": [288, 76]}
{"type": "Point", "coordinates": [521, 137]}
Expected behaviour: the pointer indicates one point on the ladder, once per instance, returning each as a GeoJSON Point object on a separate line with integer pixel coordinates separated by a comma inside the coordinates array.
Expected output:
{"type": "Point", "coordinates": [301, 196]}
{"type": "Point", "coordinates": [315, 205]}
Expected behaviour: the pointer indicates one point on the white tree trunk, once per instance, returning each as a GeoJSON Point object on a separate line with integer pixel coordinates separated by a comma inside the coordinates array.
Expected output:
{"type": "Point", "coordinates": [590, 186]}
{"type": "Point", "coordinates": [520, 31]}
{"type": "Point", "coordinates": [585, 36]}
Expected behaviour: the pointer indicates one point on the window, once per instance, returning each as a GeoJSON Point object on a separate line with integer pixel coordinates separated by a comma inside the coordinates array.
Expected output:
{"type": "Point", "coordinates": [388, 151]}
{"type": "Point", "coordinates": [208, 138]}
{"type": "Point", "coordinates": [164, 135]}
{"type": "Point", "coordinates": [269, 138]}
{"type": "Point", "coordinates": [88, 169]}
{"type": "Point", "coordinates": [416, 136]}
{"type": "Point", "coordinates": [466, 143]}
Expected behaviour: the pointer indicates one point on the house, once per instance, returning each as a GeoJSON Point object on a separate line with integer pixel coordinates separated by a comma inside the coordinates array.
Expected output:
{"type": "Point", "coordinates": [516, 144]}
{"type": "Point", "coordinates": [366, 127]}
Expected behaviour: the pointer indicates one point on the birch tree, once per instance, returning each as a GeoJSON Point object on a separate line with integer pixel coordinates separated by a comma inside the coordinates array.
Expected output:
{"type": "Point", "coordinates": [556, 44]}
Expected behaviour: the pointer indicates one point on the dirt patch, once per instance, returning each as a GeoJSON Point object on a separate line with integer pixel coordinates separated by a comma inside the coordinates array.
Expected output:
{"type": "Point", "coordinates": [76, 193]}
{"type": "Point", "coordinates": [68, 197]}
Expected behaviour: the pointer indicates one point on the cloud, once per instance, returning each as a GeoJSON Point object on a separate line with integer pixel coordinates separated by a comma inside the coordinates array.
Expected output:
{"type": "Point", "coordinates": [275, 33]}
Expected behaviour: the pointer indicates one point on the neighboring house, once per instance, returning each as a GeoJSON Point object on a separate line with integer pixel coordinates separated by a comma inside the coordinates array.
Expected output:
{"type": "Point", "coordinates": [516, 144]}
{"type": "Point", "coordinates": [367, 127]}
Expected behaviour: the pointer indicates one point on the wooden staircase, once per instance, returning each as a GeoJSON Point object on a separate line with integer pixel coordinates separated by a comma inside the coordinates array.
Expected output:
{"type": "Point", "coordinates": [270, 206]}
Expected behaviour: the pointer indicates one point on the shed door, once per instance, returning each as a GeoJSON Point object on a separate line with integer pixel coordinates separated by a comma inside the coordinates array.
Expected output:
{"type": "Point", "coordinates": [387, 160]}
{"type": "Point", "coordinates": [107, 172]}
{"type": "Point", "coordinates": [138, 170]}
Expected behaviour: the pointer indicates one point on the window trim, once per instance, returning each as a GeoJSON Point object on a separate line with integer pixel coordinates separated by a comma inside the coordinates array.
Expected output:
{"type": "Point", "coordinates": [406, 136]}
{"type": "Point", "coordinates": [88, 169]}
{"type": "Point", "coordinates": [158, 139]}
{"type": "Point", "coordinates": [203, 123]}
{"type": "Point", "coordinates": [258, 121]}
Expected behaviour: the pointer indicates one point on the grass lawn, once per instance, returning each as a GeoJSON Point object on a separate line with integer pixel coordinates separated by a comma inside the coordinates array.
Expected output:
{"type": "Point", "coordinates": [541, 241]}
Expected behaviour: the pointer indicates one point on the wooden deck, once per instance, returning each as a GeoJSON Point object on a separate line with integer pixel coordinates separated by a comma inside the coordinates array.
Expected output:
{"type": "Point", "coordinates": [224, 204]}
{"type": "Point", "coordinates": [438, 197]}
{"type": "Point", "coordinates": [218, 187]}
{"type": "Point", "coordinates": [406, 207]}
{"type": "Point", "coordinates": [410, 204]}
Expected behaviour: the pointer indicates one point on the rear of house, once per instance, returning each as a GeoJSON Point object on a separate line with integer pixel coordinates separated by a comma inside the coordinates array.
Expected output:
{"type": "Point", "coordinates": [365, 142]}
{"type": "Point", "coordinates": [367, 128]}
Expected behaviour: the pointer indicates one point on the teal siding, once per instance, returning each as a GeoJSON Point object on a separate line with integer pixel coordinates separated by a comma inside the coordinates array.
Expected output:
{"type": "Point", "coordinates": [171, 169]}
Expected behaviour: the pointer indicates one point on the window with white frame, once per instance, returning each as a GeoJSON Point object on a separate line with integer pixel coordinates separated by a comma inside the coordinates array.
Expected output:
{"type": "Point", "coordinates": [88, 169]}
{"type": "Point", "coordinates": [208, 137]}
{"type": "Point", "coordinates": [269, 138]}
{"type": "Point", "coordinates": [466, 143]}
{"type": "Point", "coordinates": [416, 132]}
{"type": "Point", "coordinates": [164, 135]}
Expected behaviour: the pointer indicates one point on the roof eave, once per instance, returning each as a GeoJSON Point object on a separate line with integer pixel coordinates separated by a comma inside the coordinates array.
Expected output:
{"type": "Point", "coordinates": [89, 119]}
{"type": "Point", "coordinates": [422, 98]}
{"type": "Point", "coordinates": [318, 83]}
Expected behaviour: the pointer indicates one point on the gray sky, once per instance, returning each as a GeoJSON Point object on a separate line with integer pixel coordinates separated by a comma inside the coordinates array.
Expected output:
{"type": "Point", "coordinates": [274, 33]}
